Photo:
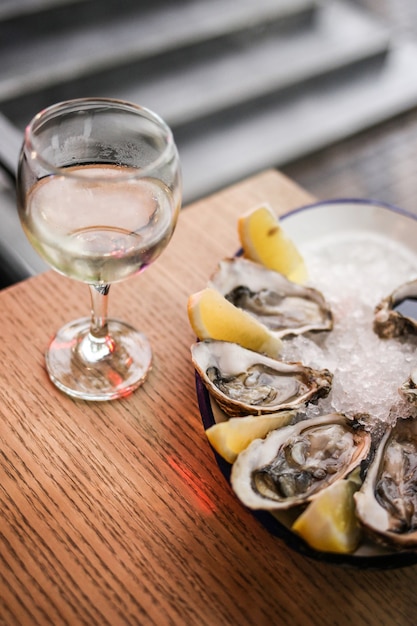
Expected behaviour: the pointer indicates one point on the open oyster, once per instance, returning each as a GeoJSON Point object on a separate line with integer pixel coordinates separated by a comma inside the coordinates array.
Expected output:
{"type": "Point", "coordinates": [293, 464]}
{"type": "Point", "coordinates": [386, 504]}
{"type": "Point", "coordinates": [248, 383]}
{"type": "Point", "coordinates": [409, 388]}
{"type": "Point", "coordinates": [286, 308]}
{"type": "Point", "coordinates": [396, 314]}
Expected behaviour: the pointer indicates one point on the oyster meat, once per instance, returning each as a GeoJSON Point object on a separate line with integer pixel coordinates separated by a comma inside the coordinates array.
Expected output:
{"type": "Point", "coordinates": [286, 308]}
{"type": "Point", "coordinates": [396, 315]}
{"type": "Point", "coordinates": [386, 504]}
{"type": "Point", "coordinates": [244, 382]}
{"type": "Point", "coordinates": [293, 464]}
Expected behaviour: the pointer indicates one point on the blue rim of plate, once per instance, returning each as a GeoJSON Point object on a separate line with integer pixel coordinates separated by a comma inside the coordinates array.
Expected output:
{"type": "Point", "coordinates": [390, 560]}
{"type": "Point", "coordinates": [384, 205]}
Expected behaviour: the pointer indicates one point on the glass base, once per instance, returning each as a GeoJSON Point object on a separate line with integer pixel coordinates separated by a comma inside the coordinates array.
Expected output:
{"type": "Point", "coordinates": [105, 368]}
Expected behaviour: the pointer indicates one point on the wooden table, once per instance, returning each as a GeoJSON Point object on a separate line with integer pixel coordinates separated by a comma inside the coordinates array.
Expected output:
{"type": "Point", "coordinates": [117, 513]}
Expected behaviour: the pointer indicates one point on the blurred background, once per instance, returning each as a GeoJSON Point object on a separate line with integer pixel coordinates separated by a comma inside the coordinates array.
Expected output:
{"type": "Point", "coordinates": [324, 90]}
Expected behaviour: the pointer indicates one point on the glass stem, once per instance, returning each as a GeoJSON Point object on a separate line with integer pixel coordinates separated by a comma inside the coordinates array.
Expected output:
{"type": "Point", "coordinates": [98, 344]}
{"type": "Point", "coordinates": [99, 303]}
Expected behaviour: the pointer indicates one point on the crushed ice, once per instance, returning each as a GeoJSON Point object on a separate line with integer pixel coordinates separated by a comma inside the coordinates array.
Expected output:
{"type": "Point", "coordinates": [354, 272]}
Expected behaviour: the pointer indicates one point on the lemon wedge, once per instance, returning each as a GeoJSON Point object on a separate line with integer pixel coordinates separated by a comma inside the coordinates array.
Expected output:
{"type": "Point", "coordinates": [264, 241]}
{"type": "Point", "coordinates": [213, 317]}
{"type": "Point", "coordinates": [329, 523]}
{"type": "Point", "coordinates": [231, 437]}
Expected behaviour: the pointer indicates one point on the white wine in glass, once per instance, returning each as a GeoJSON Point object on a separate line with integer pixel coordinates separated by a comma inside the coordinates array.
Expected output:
{"type": "Point", "coordinates": [99, 192]}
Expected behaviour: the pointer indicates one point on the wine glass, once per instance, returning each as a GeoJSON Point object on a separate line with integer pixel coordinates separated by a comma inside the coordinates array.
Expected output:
{"type": "Point", "coordinates": [98, 195]}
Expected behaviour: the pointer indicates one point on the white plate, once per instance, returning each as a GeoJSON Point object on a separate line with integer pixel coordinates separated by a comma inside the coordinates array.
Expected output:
{"type": "Point", "coordinates": [341, 217]}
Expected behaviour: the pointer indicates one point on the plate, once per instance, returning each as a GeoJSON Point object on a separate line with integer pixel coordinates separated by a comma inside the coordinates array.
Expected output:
{"type": "Point", "coordinates": [312, 228]}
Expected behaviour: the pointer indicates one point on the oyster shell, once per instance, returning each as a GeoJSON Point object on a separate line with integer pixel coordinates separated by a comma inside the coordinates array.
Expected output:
{"type": "Point", "coordinates": [293, 464]}
{"type": "Point", "coordinates": [386, 504]}
{"type": "Point", "coordinates": [389, 322]}
{"type": "Point", "coordinates": [286, 308]}
{"type": "Point", "coordinates": [248, 383]}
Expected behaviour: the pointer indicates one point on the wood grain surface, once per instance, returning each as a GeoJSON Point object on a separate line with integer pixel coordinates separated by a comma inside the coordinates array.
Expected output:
{"type": "Point", "coordinates": [117, 513]}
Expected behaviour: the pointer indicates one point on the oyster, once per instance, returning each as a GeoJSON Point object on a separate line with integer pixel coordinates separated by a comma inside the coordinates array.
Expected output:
{"type": "Point", "coordinates": [293, 464]}
{"type": "Point", "coordinates": [409, 388]}
{"type": "Point", "coordinates": [286, 308]}
{"type": "Point", "coordinates": [386, 504]}
{"type": "Point", "coordinates": [247, 383]}
{"type": "Point", "coordinates": [394, 315]}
